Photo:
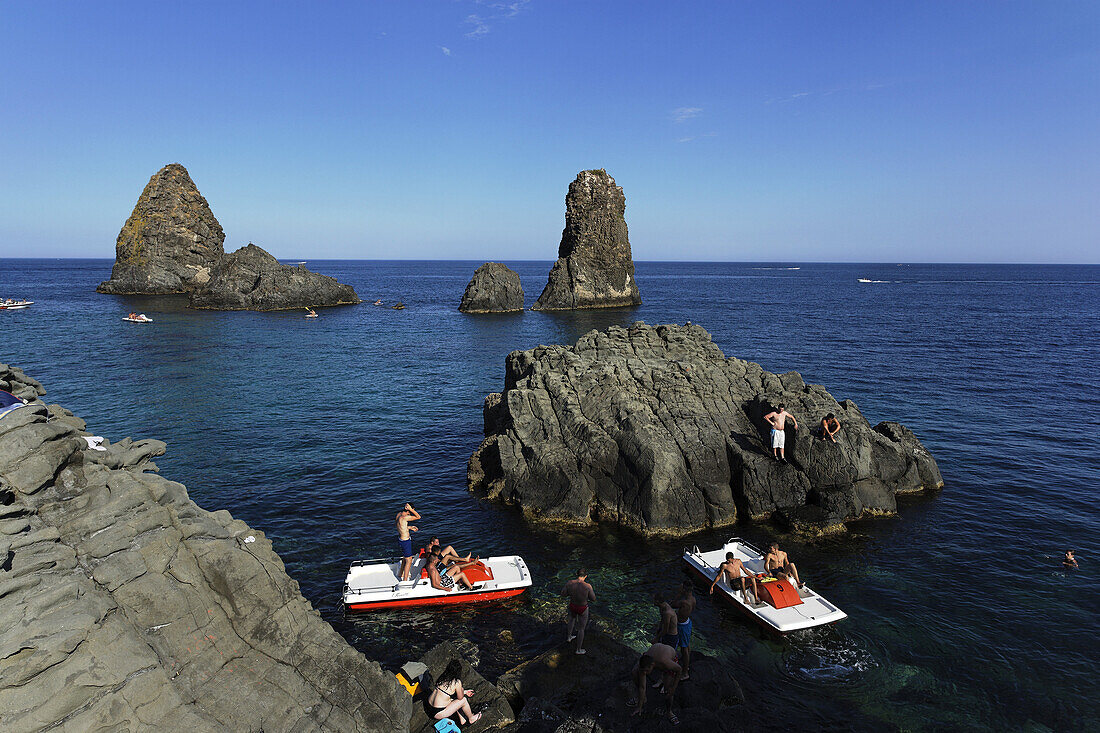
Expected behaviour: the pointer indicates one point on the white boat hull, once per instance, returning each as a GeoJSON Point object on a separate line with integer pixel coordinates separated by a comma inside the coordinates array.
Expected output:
{"type": "Point", "coordinates": [814, 610]}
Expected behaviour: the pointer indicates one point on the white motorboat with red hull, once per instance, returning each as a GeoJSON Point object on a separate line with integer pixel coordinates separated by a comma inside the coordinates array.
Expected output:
{"type": "Point", "coordinates": [17, 305]}
{"type": "Point", "coordinates": [781, 607]}
{"type": "Point", "coordinates": [374, 584]}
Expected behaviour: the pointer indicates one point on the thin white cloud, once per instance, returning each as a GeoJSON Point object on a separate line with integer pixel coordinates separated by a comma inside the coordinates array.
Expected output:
{"type": "Point", "coordinates": [446, 51]}
{"type": "Point", "coordinates": [682, 114]}
{"type": "Point", "coordinates": [828, 92]}
{"type": "Point", "coordinates": [690, 138]}
{"type": "Point", "coordinates": [478, 25]}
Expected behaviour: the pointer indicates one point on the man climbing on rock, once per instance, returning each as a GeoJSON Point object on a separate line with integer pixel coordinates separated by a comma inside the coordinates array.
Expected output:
{"type": "Point", "coordinates": [580, 594]}
{"type": "Point", "coordinates": [830, 426]}
{"type": "Point", "coordinates": [778, 420]}
{"type": "Point", "coordinates": [662, 658]}
{"type": "Point", "coordinates": [404, 539]}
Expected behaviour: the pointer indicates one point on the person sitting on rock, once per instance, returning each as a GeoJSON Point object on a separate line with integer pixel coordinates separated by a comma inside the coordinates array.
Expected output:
{"type": "Point", "coordinates": [449, 699]}
{"type": "Point", "coordinates": [733, 570]}
{"type": "Point", "coordinates": [1069, 561]}
{"type": "Point", "coordinates": [778, 420]}
{"type": "Point", "coordinates": [776, 559]}
{"type": "Point", "coordinates": [660, 657]}
{"type": "Point", "coordinates": [830, 426]}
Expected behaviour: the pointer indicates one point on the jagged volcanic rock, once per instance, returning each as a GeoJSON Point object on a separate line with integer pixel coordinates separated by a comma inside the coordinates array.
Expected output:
{"type": "Point", "coordinates": [654, 428]}
{"type": "Point", "coordinates": [594, 267]}
{"type": "Point", "coordinates": [124, 606]}
{"type": "Point", "coordinates": [251, 279]}
{"type": "Point", "coordinates": [171, 240]}
{"type": "Point", "coordinates": [494, 288]}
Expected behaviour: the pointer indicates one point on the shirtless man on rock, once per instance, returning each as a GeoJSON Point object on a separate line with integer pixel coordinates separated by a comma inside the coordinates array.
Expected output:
{"type": "Point", "coordinates": [662, 658]}
{"type": "Point", "coordinates": [778, 420]}
{"type": "Point", "coordinates": [580, 594]}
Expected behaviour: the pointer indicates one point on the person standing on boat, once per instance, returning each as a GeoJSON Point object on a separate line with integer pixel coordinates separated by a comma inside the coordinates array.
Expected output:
{"type": "Point", "coordinates": [776, 559]}
{"type": "Point", "coordinates": [684, 605]}
{"type": "Point", "coordinates": [733, 569]}
{"type": "Point", "coordinates": [778, 420]}
{"type": "Point", "coordinates": [580, 594]}
{"type": "Point", "coordinates": [666, 627]}
{"type": "Point", "coordinates": [830, 426]}
{"type": "Point", "coordinates": [404, 539]}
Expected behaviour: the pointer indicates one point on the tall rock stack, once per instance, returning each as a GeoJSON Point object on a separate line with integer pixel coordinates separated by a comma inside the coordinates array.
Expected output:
{"type": "Point", "coordinates": [594, 267]}
{"type": "Point", "coordinates": [170, 242]}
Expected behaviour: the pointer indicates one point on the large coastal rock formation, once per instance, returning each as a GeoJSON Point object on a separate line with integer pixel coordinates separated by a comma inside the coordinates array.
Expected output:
{"type": "Point", "coordinates": [494, 288]}
{"type": "Point", "coordinates": [654, 428]}
{"type": "Point", "coordinates": [171, 240]}
{"type": "Point", "coordinates": [594, 267]}
{"type": "Point", "coordinates": [251, 279]}
{"type": "Point", "coordinates": [124, 606]}
{"type": "Point", "coordinates": [173, 244]}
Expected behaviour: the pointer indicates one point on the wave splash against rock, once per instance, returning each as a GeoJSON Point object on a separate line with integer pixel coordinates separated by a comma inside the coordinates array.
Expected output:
{"type": "Point", "coordinates": [654, 428]}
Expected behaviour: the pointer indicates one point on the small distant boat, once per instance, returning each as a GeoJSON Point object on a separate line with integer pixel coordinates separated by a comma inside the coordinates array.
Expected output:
{"type": "Point", "coordinates": [311, 314]}
{"type": "Point", "coordinates": [378, 302]}
{"type": "Point", "coordinates": [15, 305]}
{"type": "Point", "coordinates": [864, 280]}
{"type": "Point", "coordinates": [373, 584]}
{"type": "Point", "coordinates": [141, 318]}
{"type": "Point", "coordinates": [398, 307]}
{"type": "Point", "coordinates": [781, 607]}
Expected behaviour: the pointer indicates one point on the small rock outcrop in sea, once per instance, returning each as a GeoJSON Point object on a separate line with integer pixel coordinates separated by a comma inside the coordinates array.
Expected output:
{"type": "Point", "coordinates": [594, 268]}
{"type": "Point", "coordinates": [654, 428]}
{"type": "Point", "coordinates": [171, 240]}
{"type": "Point", "coordinates": [560, 691]}
{"type": "Point", "coordinates": [251, 279]}
{"type": "Point", "coordinates": [124, 606]}
{"type": "Point", "coordinates": [494, 288]}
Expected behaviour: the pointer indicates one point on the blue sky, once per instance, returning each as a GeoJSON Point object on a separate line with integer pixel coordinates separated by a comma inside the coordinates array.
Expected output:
{"type": "Point", "coordinates": [450, 129]}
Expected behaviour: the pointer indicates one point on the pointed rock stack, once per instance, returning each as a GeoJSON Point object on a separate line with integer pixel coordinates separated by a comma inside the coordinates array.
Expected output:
{"type": "Point", "coordinates": [494, 288]}
{"type": "Point", "coordinates": [170, 242]}
{"type": "Point", "coordinates": [594, 267]}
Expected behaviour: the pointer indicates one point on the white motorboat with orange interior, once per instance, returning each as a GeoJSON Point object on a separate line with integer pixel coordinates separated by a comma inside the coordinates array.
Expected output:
{"type": "Point", "coordinates": [138, 318]}
{"type": "Point", "coordinates": [15, 305]}
{"type": "Point", "coordinates": [781, 607]}
{"type": "Point", "coordinates": [375, 584]}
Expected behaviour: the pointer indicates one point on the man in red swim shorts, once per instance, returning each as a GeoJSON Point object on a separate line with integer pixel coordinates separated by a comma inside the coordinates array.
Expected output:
{"type": "Point", "coordinates": [580, 594]}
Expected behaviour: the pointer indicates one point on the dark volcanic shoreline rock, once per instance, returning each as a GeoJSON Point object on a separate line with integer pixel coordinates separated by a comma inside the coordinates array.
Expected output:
{"type": "Point", "coordinates": [494, 288]}
{"type": "Point", "coordinates": [170, 242]}
{"type": "Point", "coordinates": [654, 428]}
{"type": "Point", "coordinates": [124, 606]}
{"type": "Point", "coordinates": [252, 279]}
{"type": "Point", "coordinates": [595, 268]}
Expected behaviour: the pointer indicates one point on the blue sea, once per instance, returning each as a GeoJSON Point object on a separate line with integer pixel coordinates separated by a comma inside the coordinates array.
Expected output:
{"type": "Point", "coordinates": [316, 431]}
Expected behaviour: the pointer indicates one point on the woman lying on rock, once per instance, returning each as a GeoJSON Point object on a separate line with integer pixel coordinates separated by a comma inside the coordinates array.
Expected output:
{"type": "Point", "coordinates": [449, 699]}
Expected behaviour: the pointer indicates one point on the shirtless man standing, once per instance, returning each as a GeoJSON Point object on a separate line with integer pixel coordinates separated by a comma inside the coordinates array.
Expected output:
{"type": "Point", "coordinates": [778, 420]}
{"type": "Point", "coordinates": [733, 569]}
{"type": "Point", "coordinates": [776, 559]}
{"type": "Point", "coordinates": [662, 658]}
{"type": "Point", "coordinates": [580, 594]}
{"type": "Point", "coordinates": [666, 627]}
{"type": "Point", "coordinates": [684, 605]}
{"type": "Point", "coordinates": [404, 539]}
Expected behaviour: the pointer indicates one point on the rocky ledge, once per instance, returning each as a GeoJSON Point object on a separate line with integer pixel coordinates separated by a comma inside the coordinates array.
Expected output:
{"type": "Point", "coordinates": [594, 268]}
{"type": "Point", "coordinates": [124, 606]}
{"type": "Point", "coordinates": [654, 428]}
{"type": "Point", "coordinates": [494, 288]}
{"type": "Point", "coordinates": [251, 279]}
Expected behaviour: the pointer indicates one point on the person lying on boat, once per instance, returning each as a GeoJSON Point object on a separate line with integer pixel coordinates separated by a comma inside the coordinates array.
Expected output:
{"type": "Point", "coordinates": [732, 570]}
{"type": "Point", "coordinates": [447, 554]}
{"type": "Point", "coordinates": [446, 579]}
{"type": "Point", "coordinates": [662, 658]}
{"type": "Point", "coordinates": [776, 559]}
{"type": "Point", "coordinates": [449, 698]}
{"type": "Point", "coordinates": [132, 315]}
{"type": "Point", "coordinates": [378, 302]}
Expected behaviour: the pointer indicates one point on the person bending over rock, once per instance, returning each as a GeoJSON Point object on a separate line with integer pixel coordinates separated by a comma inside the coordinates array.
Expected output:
{"type": "Point", "coordinates": [732, 570]}
{"type": "Point", "coordinates": [666, 627]}
{"type": "Point", "coordinates": [684, 606]}
{"type": "Point", "coordinates": [778, 420]}
{"type": "Point", "coordinates": [580, 594]}
{"type": "Point", "coordinates": [776, 559]}
{"type": "Point", "coordinates": [830, 426]}
{"type": "Point", "coordinates": [404, 539]}
{"type": "Point", "coordinates": [662, 658]}
{"type": "Point", "coordinates": [449, 698]}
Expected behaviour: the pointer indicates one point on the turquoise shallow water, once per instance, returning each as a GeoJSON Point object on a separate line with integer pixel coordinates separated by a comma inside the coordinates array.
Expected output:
{"type": "Point", "coordinates": [314, 431]}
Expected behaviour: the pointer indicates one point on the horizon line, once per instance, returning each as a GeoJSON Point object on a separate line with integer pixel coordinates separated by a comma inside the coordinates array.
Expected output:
{"type": "Point", "coordinates": [284, 260]}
